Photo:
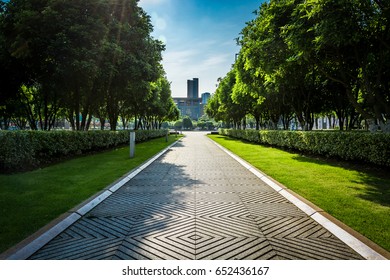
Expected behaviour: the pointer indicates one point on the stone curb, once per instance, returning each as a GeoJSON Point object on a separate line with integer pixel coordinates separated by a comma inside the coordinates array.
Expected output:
{"type": "Point", "coordinates": [313, 211]}
{"type": "Point", "coordinates": [29, 246]}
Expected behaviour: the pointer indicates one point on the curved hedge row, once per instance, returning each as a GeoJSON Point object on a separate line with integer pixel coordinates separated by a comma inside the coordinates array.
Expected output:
{"type": "Point", "coordinates": [360, 146]}
{"type": "Point", "coordinates": [21, 150]}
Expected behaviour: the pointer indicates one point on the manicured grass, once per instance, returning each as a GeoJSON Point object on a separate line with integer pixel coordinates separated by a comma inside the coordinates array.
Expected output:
{"type": "Point", "coordinates": [357, 196]}
{"type": "Point", "coordinates": [30, 200]}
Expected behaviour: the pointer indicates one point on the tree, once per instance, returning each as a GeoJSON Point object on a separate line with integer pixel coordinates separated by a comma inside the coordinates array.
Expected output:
{"type": "Point", "coordinates": [187, 123]}
{"type": "Point", "coordinates": [348, 41]}
{"type": "Point", "coordinates": [81, 57]}
{"type": "Point", "coordinates": [300, 59]}
{"type": "Point", "coordinates": [222, 107]}
{"type": "Point", "coordinates": [26, 41]}
{"type": "Point", "coordinates": [178, 125]}
{"type": "Point", "coordinates": [249, 90]}
{"type": "Point", "coordinates": [140, 67]}
{"type": "Point", "coordinates": [10, 78]}
{"type": "Point", "coordinates": [161, 106]}
{"type": "Point", "coordinates": [272, 69]}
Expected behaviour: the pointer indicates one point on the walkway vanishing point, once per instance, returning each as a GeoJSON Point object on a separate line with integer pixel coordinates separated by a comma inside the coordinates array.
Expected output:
{"type": "Point", "coordinates": [195, 201]}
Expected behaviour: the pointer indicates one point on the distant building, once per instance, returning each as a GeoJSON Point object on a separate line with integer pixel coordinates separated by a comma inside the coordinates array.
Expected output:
{"type": "Point", "coordinates": [192, 106]}
{"type": "Point", "coordinates": [205, 97]}
{"type": "Point", "coordinates": [193, 88]}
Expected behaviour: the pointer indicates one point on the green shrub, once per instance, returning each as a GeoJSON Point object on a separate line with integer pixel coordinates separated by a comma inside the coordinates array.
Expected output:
{"type": "Point", "coordinates": [359, 146]}
{"type": "Point", "coordinates": [22, 150]}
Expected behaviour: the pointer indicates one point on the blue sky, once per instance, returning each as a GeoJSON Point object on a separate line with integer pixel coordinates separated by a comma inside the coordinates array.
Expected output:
{"type": "Point", "coordinates": [199, 37]}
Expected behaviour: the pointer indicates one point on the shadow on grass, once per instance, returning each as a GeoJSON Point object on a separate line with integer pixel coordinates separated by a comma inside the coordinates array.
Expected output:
{"type": "Point", "coordinates": [376, 179]}
{"type": "Point", "coordinates": [377, 190]}
{"type": "Point", "coordinates": [227, 138]}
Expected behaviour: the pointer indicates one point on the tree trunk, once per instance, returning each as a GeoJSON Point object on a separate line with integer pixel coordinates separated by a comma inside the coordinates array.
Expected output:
{"type": "Point", "coordinates": [124, 122]}
{"type": "Point", "coordinates": [257, 118]}
{"type": "Point", "coordinates": [135, 122]}
{"type": "Point", "coordinates": [71, 120]}
{"type": "Point", "coordinates": [83, 120]}
{"type": "Point", "coordinates": [102, 123]}
{"type": "Point", "coordinates": [113, 122]}
{"type": "Point", "coordinates": [88, 124]}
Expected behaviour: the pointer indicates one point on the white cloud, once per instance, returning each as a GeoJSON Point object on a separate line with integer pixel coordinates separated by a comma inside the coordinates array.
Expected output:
{"type": "Point", "coordinates": [179, 66]}
{"type": "Point", "coordinates": [158, 21]}
{"type": "Point", "coordinates": [161, 23]}
{"type": "Point", "coordinates": [215, 60]}
{"type": "Point", "coordinates": [179, 56]}
{"type": "Point", "coordinates": [183, 64]}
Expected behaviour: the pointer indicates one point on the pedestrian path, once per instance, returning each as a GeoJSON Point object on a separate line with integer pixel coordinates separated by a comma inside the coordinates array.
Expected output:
{"type": "Point", "coordinates": [195, 202]}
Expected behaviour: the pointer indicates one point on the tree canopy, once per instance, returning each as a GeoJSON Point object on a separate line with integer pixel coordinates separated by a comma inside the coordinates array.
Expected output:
{"type": "Point", "coordinates": [80, 59]}
{"type": "Point", "coordinates": [302, 59]}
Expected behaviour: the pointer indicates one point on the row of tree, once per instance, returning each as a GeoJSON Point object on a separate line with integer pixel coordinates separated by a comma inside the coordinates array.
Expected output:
{"type": "Point", "coordinates": [80, 59]}
{"type": "Point", "coordinates": [204, 123]}
{"type": "Point", "coordinates": [303, 58]}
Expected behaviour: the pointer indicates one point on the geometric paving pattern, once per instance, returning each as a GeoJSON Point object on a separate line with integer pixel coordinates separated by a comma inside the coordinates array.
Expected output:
{"type": "Point", "coordinates": [195, 202]}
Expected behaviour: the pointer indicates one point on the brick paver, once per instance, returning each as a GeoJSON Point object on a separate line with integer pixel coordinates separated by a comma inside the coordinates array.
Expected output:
{"type": "Point", "coordinates": [195, 202]}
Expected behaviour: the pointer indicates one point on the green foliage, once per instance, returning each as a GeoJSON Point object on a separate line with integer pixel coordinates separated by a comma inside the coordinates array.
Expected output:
{"type": "Point", "coordinates": [23, 150]}
{"type": "Point", "coordinates": [354, 146]}
{"type": "Point", "coordinates": [187, 123]}
{"type": "Point", "coordinates": [348, 40]}
{"type": "Point", "coordinates": [178, 125]}
{"type": "Point", "coordinates": [300, 59]}
{"type": "Point", "coordinates": [205, 125]}
{"type": "Point", "coordinates": [83, 58]}
{"type": "Point", "coordinates": [221, 105]}
{"type": "Point", "coordinates": [159, 105]}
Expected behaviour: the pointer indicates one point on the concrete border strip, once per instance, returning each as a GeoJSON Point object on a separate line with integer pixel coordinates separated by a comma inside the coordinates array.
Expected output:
{"type": "Point", "coordinates": [299, 203]}
{"type": "Point", "coordinates": [36, 244]}
{"type": "Point", "coordinates": [347, 238]}
{"type": "Point", "coordinates": [93, 203]}
{"type": "Point", "coordinates": [357, 245]}
{"type": "Point", "coordinates": [39, 242]}
{"type": "Point", "coordinates": [118, 185]}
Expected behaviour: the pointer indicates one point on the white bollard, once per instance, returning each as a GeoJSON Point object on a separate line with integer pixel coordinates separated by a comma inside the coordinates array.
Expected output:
{"type": "Point", "coordinates": [132, 144]}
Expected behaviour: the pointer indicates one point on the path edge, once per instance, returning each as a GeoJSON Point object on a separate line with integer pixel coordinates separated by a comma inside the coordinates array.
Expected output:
{"type": "Point", "coordinates": [27, 247]}
{"type": "Point", "coordinates": [359, 243]}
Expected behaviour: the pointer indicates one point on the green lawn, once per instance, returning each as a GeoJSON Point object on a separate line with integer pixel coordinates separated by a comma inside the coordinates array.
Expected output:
{"type": "Point", "coordinates": [30, 200]}
{"type": "Point", "coordinates": [359, 197]}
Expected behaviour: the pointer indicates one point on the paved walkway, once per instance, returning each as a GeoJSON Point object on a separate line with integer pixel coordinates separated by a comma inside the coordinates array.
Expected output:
{"type": "Point", "coordinates": [195, 202]}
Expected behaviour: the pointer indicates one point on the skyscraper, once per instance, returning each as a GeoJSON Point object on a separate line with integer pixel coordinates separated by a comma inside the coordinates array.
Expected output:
{"type": "Point", "coordinates": [190, 88]}
{"type": "Point", "coordinates": [196, 88]}
{"type": "Point", "coordinates": [193, 88]}
{"type": "Point", "coordinates": [190, 106]}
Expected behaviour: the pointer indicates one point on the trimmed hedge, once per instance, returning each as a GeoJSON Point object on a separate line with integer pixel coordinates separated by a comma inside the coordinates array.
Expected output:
{"type": "Point", "coordinates": [358, 146]}
{"type": "Point", "coordinates": [23, 150]}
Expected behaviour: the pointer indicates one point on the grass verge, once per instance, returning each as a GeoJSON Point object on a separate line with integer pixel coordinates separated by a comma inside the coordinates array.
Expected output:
{"type": "Point", "coordinates": [30, 200]}
{"type": "Point", "coordinates": [357, 196]}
